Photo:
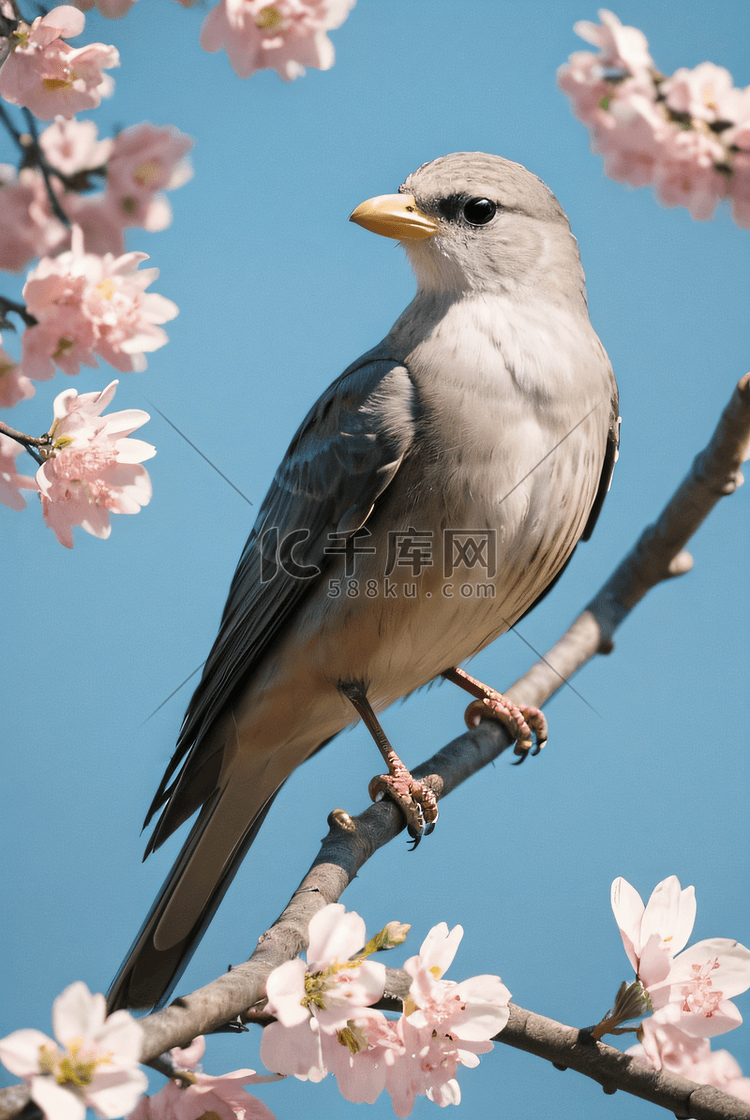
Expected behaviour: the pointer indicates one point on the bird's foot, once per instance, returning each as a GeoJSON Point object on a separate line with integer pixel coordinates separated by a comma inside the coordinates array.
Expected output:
{"type": "Point", "coordinates": [416, 799]}
{"type": "Point", "coordinates": [524, 722]}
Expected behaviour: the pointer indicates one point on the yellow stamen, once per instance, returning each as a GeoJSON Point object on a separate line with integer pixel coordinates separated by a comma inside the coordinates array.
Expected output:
{"type": "Point", "coordinates": [268, 18]}
{"type": "Point", "coordinates": [70, 1067]}
{"type": "Point", "coordinates": [64, 346]}
{"type": "Point", "coordinates": [106, 289]}
{"type": "Point", "coordinates": [148, 173]}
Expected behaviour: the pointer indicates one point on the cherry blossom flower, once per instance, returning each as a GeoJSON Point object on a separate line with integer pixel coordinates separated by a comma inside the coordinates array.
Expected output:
{"type": "Point", "coordinates": [652, 934]}
{"type": "Point", "coordinates": [93, 1063]}
{"type": "Point", "coordinates": [199, 1095]}
{"type": "Point", "coordinates": [621, 48]}
{"type": "Point", "coordinates": [72, 146]}
{"type": "Point", "coordinates": [286, 36]}
{"type": "Point", "coordinates": [701, 93]}
{"type": "Point", "coordinates": [14, 386]}
{"type": "Point", "coordinates": [686, 174]}
{"type": "Point", "coordinates": [665, 1046]}
{"type": "Point", "coordinates": [93, 468]}
{"type": "Point", "coordinates": [146, 161]}
{"type": "Point", "coordinates": [11, 485]}
{"type": "Point", "coordinates": [314, 1002]}
{"type": "Point", "coordinates": [27, 227]}
{"type": "Point", "coordinates": [86, 305]}
{"type": "Point", "coordinates": [699, 986]}
{"type": "Point", "coordinates": [47, 76]}
{"type": "Point", "coordinates": [689, 989]}
{"type": "Point", "coordinates": [445, 1024]}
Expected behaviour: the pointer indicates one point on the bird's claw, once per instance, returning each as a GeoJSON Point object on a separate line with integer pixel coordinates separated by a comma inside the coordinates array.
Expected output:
{"type": "Point", "coordinates": [415, 798]}
{"type": "Point", "coordinates": [522, 721]}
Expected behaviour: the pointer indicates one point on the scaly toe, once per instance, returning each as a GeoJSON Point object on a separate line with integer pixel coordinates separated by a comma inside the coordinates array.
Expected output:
{"type": "Point", "coordinates": [416, 800]}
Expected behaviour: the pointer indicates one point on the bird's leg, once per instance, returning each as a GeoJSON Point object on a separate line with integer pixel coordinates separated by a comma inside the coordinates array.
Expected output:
{"type": "Point", "coordinates": [520, 719]}
{"type": "Point", "coordinates": [415, 798]}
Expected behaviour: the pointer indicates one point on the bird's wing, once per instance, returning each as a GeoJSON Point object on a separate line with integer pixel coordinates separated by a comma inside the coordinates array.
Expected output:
{"type": "Point", "coordinates": [611, 452]}
{"type": "Point", "coordinates": [608, 466]}
{"type": "Point", "coordinates": [345, 453]}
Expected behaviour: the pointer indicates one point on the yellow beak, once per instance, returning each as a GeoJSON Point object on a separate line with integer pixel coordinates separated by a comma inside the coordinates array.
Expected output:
{"type": "Point", "coordinates": [394, 215]}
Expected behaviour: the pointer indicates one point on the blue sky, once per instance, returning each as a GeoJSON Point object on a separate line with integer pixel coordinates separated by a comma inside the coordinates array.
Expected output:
{"type": "Point", "coordinates": [277, 294]}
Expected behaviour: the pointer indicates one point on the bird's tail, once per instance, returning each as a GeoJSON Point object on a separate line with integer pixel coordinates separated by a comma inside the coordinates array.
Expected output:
{"type": "Point", "coordinates": [187, 902]}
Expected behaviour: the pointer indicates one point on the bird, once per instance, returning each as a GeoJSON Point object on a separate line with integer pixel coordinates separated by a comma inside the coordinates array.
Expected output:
{"type": "Point", "coordinates": [430, 497]}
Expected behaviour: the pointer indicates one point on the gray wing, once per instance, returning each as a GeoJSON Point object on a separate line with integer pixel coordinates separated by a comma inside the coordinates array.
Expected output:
{"type": "Point", "coordinates": [608, 466]}
{"type": "Point", "coordinates": [346, 452]}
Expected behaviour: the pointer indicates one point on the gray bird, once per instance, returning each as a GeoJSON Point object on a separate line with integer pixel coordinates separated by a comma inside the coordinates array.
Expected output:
{"type": "Point", "coordinates": [446, 475]}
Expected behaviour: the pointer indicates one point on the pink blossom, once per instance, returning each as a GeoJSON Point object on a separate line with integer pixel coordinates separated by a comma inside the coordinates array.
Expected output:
{"type": "Point", "coordinates": [94, 1062]}
{"type": "Point", "coordinates": [736, 108]}
{"type": "Point", "coordinates": [86, 305]}
{"type": "Point", "coordinates": [621, 48]}
{"type": "Point", "coordinates": [93, 468]}
{"type": "Point", "coordinates": [72, 146]}
{"type": "Point", "coordinates": [686, 175]}
{"type": "Point", "coordinates": [689, 989]}
{"type": "Point", "coordinates": [110, 9]}
{"type": "Point", "coordinates": [445, 1024]}
{"type": "Point", "coordinates": [665, 1046]}
{"type": "Point", "coordinates": [703, 93]}
{"type": "Point", "coordinates": [49, 77]}
{"type": "Point", "coordinates": [582, 80]}
{"type": "Point", "coordinates": [314, 1003]}
{"type": "Point", "coordinates": [216, 1097]}
{"type": "Point", "coordinates": [427, 1068]}
{"type": "Point", "coordinates": [700, 983]}
{"type": "Point", "coordinates": [473, 1010]}
{"type": "Point", "coordinates": [199, 1095]}
{"type": "Point", "coordinates": [652, 934]}
{"type": "Point", "coordinates": [14, 386]}
{"type": "Point", "coordinates": [630, 137]}
{"type": "Point", "coordinates": [11, 485]}
{"type": "Point", "coordinates": [27, 227]}
{"type": "Point", "coordinates": [146, 160]}
{"type": "Point", "coordinates": [285, 36]}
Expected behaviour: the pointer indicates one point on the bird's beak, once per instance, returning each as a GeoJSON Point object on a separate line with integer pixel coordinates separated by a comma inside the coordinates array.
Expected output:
{"type": "Point", "coordinates": [394, 215]}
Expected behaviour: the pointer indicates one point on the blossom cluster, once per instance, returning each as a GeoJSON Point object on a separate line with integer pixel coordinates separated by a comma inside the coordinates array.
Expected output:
{"type": "Point", "coordinates": [285, 36]}
{"type": "Point", "coordinates": [139, 164]}
{"type": "Point", "coordinates": [86, 299]}
{"type": "Point", "coordinates": [326, 1022]}
{"type": "Point", "coordinates": [687, 135]}
{"type": "Point", "coordinates": [689, 990]}
{"type": "Point", "coordinates": [90, 468]}
{"type": "Point", "coordinates": [196, 1095]}
{"type": "Point", "coordinates": [43, 73]}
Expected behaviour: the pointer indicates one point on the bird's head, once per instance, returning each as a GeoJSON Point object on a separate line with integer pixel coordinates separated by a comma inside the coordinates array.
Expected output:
{"type": "Point", "coordinates": [476, 222]}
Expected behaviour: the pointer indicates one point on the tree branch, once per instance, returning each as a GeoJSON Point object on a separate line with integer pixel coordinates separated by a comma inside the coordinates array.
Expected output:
{"type": "Point", "coordinates": [657, 556]}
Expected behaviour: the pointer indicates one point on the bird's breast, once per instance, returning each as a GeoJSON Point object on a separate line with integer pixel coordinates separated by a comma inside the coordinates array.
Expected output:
{"type": "Point", "coordinates": [484, 511]}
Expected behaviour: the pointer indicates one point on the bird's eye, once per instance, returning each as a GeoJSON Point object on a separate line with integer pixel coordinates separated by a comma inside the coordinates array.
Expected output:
{"type": "Point", "coordinates": [479, 211]}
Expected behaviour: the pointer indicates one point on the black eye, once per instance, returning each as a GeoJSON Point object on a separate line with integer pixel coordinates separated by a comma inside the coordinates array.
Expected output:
{"type": "Point", "coordinates": [479, 211]}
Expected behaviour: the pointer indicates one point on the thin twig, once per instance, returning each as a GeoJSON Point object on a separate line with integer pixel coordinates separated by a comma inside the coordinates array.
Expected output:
{"type": "Point", "coordinates": [38, 158]}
